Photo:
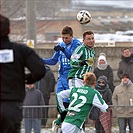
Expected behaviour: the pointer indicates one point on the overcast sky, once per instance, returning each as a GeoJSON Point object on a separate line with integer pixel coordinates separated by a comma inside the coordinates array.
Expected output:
{"type": "Point", "coordinates": [114, 3]}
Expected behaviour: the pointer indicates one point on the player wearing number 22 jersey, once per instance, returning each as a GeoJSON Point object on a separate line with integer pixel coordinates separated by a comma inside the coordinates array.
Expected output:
{"type": "Point", "coordinates": [81, 101]}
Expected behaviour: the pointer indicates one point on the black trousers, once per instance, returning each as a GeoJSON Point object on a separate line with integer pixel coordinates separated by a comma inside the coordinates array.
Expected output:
{"type": "Point", "coordinates": [44, 121]}
{"type": "Point", "coordinates": [11, 117]}
{"type": "Point", "coordinates": [99, 127]}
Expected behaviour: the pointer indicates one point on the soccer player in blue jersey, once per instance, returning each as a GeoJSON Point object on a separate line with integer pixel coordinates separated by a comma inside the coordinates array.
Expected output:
{"type": "Point", "coordinates": [63, 52]}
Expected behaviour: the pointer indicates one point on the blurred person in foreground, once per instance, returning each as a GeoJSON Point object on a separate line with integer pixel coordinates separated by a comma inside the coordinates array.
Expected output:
{"type": "Point", "coordinates": [104, 123]}
{"type": "Point", "coordinates": [123, 104]}
{"type": "Point", "coordinates": [32, 115]}
{"type": "Point", "coordinates": [104, 69]}
{"type": "Point", "coordinates": [13, 60]}
{"type": "Point", "coordinates": [126, 64]}
{"type": "Point", "coordinates": [62, 54]}
{"type": "Point", "coordinates": [81, 101]}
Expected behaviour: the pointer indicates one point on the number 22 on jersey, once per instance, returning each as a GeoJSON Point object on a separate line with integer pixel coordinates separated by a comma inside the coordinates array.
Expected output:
{"type": "Point", "coordinates": [77, 102]}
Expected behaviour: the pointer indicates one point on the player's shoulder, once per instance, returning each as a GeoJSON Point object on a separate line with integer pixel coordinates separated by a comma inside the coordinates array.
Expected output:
{"type": "Point", "coordinates": [96, 92]}
{"type": "Point", "coordinates": [93, 91]}
{"type": "Point", "coordinates": [79, 49]}
{"type": "Point", "coordinates": [61, 43]}
{"type": "Point", "coordinates": [76, 41]}
{"type": "Point", "coordinates": [74, 89]}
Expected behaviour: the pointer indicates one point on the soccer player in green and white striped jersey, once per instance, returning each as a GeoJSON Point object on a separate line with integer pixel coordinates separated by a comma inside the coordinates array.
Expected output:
{"type": "Point", "coordinates": [81, 101]}
{"type": "Point", "coordinates": [82, 60]}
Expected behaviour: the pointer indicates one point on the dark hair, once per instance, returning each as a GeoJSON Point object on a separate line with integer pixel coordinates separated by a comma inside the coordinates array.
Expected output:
{"type": "Point", "coordinates": [88, 32]}
{"type": "Point", "coordinates": [4, 26]}
{"type": "Point", "coordinates": [125, 49]}
{"type": "Point", "coordinates": [126, 75]}
{"type": "Point", "coordinates": [67, 30]}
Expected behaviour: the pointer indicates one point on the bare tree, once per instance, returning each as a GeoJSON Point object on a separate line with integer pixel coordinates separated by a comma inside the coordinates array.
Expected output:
{"type": "Point", "coordinates": [44, 8]}
{"type": "Point", "coordinates": [50, 8]}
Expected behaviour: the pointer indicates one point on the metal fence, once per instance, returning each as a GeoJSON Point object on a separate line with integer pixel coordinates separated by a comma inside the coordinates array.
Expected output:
{"type": "Point", "coordinates": [38, 120]}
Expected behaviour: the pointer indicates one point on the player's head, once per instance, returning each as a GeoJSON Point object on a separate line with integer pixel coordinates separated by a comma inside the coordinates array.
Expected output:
{"type": "Point", "coordinates": [89, 79]}
{"type": "Point", "coordinates": [67, 34]}
{"type": "Point", "coordinates": [4, 26]}
{"type": "Point", "coordinates": [88, 39]}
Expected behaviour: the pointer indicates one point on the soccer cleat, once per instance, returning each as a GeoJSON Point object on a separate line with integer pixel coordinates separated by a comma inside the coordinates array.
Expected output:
{"type": "Point", "coordinates": [55, 127]}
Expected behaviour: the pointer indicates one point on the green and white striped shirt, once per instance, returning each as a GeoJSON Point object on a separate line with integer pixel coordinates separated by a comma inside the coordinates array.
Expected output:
{"type": "Point", "coordinates": [81, 101]}
{"type": "Point", "coordinates": [81, 53]}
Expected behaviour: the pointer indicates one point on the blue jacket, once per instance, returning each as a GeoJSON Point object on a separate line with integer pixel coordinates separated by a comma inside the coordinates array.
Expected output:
{"type": "Point", "coordinates": [63, 57]}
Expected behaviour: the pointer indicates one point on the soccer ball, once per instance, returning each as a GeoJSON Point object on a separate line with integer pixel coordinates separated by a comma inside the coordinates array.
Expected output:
{"type": "Point", "coordinates": [84, 17]}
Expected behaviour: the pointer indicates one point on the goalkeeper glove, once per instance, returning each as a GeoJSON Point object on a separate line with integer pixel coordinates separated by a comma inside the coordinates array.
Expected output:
{"type": "Point", "coordinates": [58, 48]}
{"type": "Point", "coordinates": [82, 63]}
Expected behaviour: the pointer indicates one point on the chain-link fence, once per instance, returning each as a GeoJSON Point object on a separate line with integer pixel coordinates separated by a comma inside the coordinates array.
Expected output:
{"type": "Point", "coordinates": [36, 119]}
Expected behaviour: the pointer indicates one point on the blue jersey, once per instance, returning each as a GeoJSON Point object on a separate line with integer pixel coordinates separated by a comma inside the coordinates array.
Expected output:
{"type": "Point", "coordinates": [63, 57]}
{"type": "Point", "coordinates": [64, 65]}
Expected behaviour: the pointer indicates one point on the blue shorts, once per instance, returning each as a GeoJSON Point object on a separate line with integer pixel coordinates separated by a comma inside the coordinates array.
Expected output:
{"type": "Point", "coordinates": [62, 84]}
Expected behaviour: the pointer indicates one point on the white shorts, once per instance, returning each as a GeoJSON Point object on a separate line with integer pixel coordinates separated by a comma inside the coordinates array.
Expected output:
{"type": "Point", "coordinates": [70, 128]}
{"type": "Point", "coordinates": [75, 82]}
